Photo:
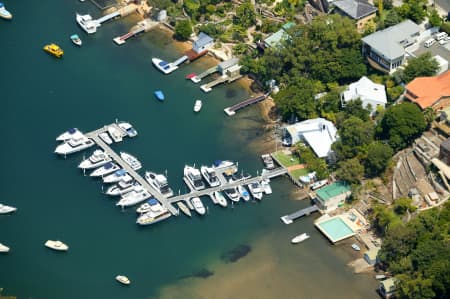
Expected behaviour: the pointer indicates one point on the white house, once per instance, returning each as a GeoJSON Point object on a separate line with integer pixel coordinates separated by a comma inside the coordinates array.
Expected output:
{"type": "Point", "coordinates": [369, 93]}
{"type": "Point", "coordinates": [318, 133]}
{"type": "Point", "coordinates": [203, 43]}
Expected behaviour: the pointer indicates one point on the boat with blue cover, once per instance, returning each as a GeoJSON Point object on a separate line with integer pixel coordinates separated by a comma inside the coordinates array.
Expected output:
{"type": "Point", "coordinates": [159, 95]}
{"type": "Point", "coordinates": [164, 66]}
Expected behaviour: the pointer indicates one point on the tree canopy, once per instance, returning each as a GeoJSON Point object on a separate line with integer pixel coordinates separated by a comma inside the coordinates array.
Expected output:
{"type": "Point", "coordinates": [183, 30]}
{"type": "Point", "coordinates": [422, 66]}
{"type": "Point", "coordinates": [378, 157]}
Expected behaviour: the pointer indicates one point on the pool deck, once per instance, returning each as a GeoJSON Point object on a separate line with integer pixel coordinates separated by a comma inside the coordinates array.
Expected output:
{"type": "Point", "coordinates": [342, 222]}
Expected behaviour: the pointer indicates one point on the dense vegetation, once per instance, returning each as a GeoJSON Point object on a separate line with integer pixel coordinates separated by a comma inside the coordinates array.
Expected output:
{"type": "Point", "coordinates": [418, 254]}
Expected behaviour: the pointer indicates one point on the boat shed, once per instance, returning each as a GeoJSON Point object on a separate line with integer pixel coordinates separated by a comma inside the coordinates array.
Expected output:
{"type": "Point", "coordinates": [203, 43]}
{"type": "Point", "coordinates": [225, 65]}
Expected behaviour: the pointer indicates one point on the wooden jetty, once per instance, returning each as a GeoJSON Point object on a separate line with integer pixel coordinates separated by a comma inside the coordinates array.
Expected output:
{"type": "Point", "coordinates": [288, 219]}
{"type": "Point", "coordinates": [224, 78]}
{"type": "Point", "coordinates": [230, 111]}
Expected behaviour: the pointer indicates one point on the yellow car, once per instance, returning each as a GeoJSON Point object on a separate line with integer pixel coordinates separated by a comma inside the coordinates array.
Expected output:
{"type": "Point", "coordinates": [54, 50]}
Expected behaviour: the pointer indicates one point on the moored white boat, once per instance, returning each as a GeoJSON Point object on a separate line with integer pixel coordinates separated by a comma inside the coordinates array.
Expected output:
{"type": "Point", "coordinates": [232, 194]}
{"type": "Point", "coordinates": [164, 66]}
{"type": "Point", "coordinates": [121, 187]}
{"type": "Point", "coordinates": [210, 176]}
{"type": "Point", "coordinates": [243, 192]}
{"type": "Point", "coordinates": [184, 208]}
{"type": "Point", "coordinates": [97, 159]}
{"type": "Point", "coordinates": [77, 143]}
{"type": "Point", "coordinates": [68, 134]}
{"type": "Point", "coordinates": [76, 40]}
{"type": "Point", "coordinates": [4, 209]}
{"type": "Point", "coordinates": [150, 205]}
{"type": "Point", "coordinates": [105, 137]}
{"type": "Point", "coordinates": [108, 168]}
{"type": "Point", "coordinates": [159, 182]}
{"type": "Point", "coordinates": [117, 176]}
{"type": "Point", "coordinates": [356, 247]}
{"type": "Point", "coordinates": [128, 128]}
{"type": "Point", "coordinates": [4, 13]}
{"type": "Point", "coordinates": [87, 23]}
{"type": "Point", "coordinates": [198, 105]}
{"type": "Point", "coordinates": [255, 190]}
{"type": "Point", "coordinates": [300, 238]}
{"type": "Point", "coordinates": [265, 185]}
{"type": "Point", "coordinates": [220, 198]}
{"type": "Point", "coordinates": [115, 134]}
{"type": "Point", "coordinates": [198, 205]}
{"type": "Point", "coordinates": [135, 196]}
{"type": "Point", "coordinates": [193, 177]}
{"type": "Point", "coordinates": [131, 160]}
{"type": "Point", "coordinates": [123, 279]}
{"type": "Point", "coordinates": [152, 217]}
{"type": "Point", "coordinates": [4, 248]}
{"type": "Point", "coordinates": [318, 184]}
{"type": "Point", "coordinates": [56, 245]}
{"type": "Point", "coordinates": [218, 164]}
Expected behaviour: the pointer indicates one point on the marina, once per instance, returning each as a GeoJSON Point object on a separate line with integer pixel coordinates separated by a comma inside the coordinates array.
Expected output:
{"type": "Point", "coordinates": [153, 185]}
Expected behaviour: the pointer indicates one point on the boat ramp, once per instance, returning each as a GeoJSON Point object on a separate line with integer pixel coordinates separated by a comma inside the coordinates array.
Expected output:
{"type": "Point", "coordinates": [232, 110]}
{"type": "Point", "coordinates": [168, 202]}
{"type": "Point", "coordinates": [288, 219]}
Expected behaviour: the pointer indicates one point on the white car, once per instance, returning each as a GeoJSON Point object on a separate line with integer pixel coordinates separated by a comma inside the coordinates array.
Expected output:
{"type": "Point", "coordinates": [443, 41]}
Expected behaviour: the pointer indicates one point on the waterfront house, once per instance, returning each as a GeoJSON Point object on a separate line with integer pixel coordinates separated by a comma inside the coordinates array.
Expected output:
{"type": "Point", "coordinates": [371, 256]}
{"type": "Point", "coordinates": [358, 10]}
{"type": "Point", "coordinates": [371, 94]}
{"type": "Point", "coordinates": [385, 49]}
{"type": "Point", "coordinates": [330, 197]}
{"type": "Point", "coordinates": [318, 133]}
{"type": "Point", "coordinates": [387, 288]}
{"type": "Point", "coordinates": [203, 43]}
{"type": "Point", "coordinates": [429, 92]}
{"type": "Point", "coordinates": [276, 39]}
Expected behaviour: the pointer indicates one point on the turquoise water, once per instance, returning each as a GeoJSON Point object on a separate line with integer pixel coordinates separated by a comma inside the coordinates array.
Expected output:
{"type": "Point", "coordinates": [336, 228]}
{"type": "Point", "coordinates": [92, 86]}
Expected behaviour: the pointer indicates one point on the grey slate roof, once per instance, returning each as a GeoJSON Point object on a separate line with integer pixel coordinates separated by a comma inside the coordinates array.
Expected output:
{"type": "Point", "coordinates": [392, 41]}
{"type": "Point", "coordinates": [356, 9]}
{"type": "Point", "coordinates": [203, 40]}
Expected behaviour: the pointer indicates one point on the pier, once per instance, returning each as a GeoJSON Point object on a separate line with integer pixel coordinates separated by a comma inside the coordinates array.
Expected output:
{"type": "Point", "coordinates": [142, 26]}
{"type": "Point", "coordinates": [230, 111]}
{"type": "Point", "coordinates": [288, 219]}
{"type": "Point", "coordinates": [224, 78]}
{"type": "Point", "coordinates": [198, 78]}
{"type": "Point", "coordinates": [229, 70]}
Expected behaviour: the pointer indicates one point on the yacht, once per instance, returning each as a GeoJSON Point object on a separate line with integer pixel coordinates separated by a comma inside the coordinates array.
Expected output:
{"type": "Point", "coordinates": [105, 137]}
{"type": "Point", "coordinates": [4, 209]}
{"type": "Point", "coordinates": [4, 248]}
{"type": "Point", "coordinates": [153, 217]}
{"type": "Point", "coordinates": [121, 188]}
{"type": "Point", "coordinates": [135, 196]}
{"type": "Point", "coordinates": [236, 177]}
{"type": "Point", "coordinates": [150, 205]}
{"type": "Point", "coordinates": [221, 200]}
{"type": "Point", "coordinates": [75, 144]}
{"type": "Point", "coordinates": [76, 40]}
{"type": "Point", "coordinates": [56, 245]}
{"type": "Point", "coordinates": [184, 208]}
{"type": "Point", "coordinates": [268, 161]}
{"type": "Point", "coordinates": [123, 279]}
{"type": "Point", "coordinates": [300, 238]}
{"type": "Point", "coordinates": [108, 168]}
{"type": "Point", "coordinates": [265, 185]}
{"type": "Point", "coordinates": [4, 13]}
{"type": "Point", "coordinates": [255, 190]}
{"type": "Point", "coordinates": [117, 176]}
{"type": "Point", "coordinates": [128, 128]}
{"type": "Point", "coordinates": [131, 160]}
{"type": "Point", "coordinates": [244, 193]}
{"type": "Point", "coordinates": [87, 23]}
{"type": "Point", "coordinates": [210, 176]}
{"type": "Point", "coordinates": [159, 182]}
{"type": "Point", "coordinates": [198, 205]}
{"type": "Point", "coordinates": [97, 159]}
{"type": "Point", "coordinates": [115, 134]}
{"type": "Point", "coordinates": [198, 106]}
{"type": "Point", "coordinates": [164, 66]}
{"type": "Point", "coordinates": [54, 49]}
{"type": "Point", "coordinates": [69, 134]}
{"type": "Point", "coordinates": [193, 177]}
{"type": "Point", "coordinates": [218, 164]}
{"type": "Point", "coordinates": [232, 194]}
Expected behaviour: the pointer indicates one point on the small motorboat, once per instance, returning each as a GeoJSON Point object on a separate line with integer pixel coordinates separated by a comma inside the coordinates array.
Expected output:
{"type": "Point", "coordinates": [184, 208]}
{"type": "Point", "coordinates": [198, 205]}
{"type": "Point", "coordinates": [56, 245]}
{"type": "Point", "coordinates": [244, 193]}
{"type": "Point", "coordinates": [4, 248]}
{"type": "Point", "coordinates": [159, 95]}
{"type": "Point", "coordinates": [190, 76]}
{"type": "Point", "coordinates": [105, 137]}
{"type": "Point", "coordinates": [76, 40]}
{"type": "Point", "coordinates": [300, 238]}
{"type": "Point", "coordinates": [198, 105]}
{"type": "Point", "coordinates": [221, 200]}
{"type": "Point", "coordinates": [123, 279]}
{"type": "Point", "coordinates": [4, 209]}
{"type": "Point", "coordinates": [380, 276]}
{"type": "Point", "coordinates": [54, 49]}
{"type": "Point", "coordinates": [356, 247]}
{"type": "Point", "coordinates": [4, 13]}
{"type": "Point", "coordinates": [265, 185]}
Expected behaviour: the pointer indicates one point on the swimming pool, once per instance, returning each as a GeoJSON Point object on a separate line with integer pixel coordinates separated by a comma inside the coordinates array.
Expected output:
{"type": "Point", "coordinates": [335, 229]}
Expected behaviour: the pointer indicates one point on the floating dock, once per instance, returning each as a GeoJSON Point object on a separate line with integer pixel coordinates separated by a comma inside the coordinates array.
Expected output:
{"type": "Point", "coordinates": [288, 219]}
{"type": "Point", "coordinates": [230, 111]}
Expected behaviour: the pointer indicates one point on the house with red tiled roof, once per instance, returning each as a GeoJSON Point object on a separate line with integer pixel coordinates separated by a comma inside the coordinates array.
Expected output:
{"type": "Point", "coordinates": [431, 92]}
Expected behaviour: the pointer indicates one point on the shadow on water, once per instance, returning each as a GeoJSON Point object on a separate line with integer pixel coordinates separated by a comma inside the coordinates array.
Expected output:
{"type": "Point", "coordinates": [201, 273]}
{"type": "Point", "coordinates": [236, 253]}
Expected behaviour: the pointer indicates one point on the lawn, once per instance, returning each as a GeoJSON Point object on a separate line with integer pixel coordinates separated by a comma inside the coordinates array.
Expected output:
{"type": "Point", "coordinates": [298, 172]}
{"type": "Point", "coordinates": [286, 160]}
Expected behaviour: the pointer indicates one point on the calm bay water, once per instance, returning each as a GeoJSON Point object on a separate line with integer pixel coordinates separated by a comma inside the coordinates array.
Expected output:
{"type": "Point", "coordinates": [92, 86]}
